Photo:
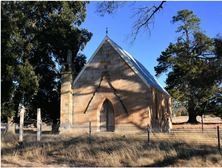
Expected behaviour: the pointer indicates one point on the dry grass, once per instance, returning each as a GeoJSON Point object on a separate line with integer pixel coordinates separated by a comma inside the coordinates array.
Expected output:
{"type": "Point", "coordinates": [111, 149]}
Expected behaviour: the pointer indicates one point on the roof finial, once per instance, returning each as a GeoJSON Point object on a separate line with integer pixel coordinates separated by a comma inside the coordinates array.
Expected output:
{"type": "Point", "coordinates": [106, 31]}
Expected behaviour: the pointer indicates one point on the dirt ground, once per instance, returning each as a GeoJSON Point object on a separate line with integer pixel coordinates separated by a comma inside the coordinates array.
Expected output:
{"type": "Point", "coordinates": [208, 122]}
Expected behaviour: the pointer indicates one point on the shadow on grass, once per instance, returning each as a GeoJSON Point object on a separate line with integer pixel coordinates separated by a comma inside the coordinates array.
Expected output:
{"type": "Point", "coordinates": [35, 132]}
{"type": "Point", "coordinates": [185, 151]}
{"type": "Point", "coordinates": [61, 146]}
{"type": "Point", "coordinates": [172, 160]}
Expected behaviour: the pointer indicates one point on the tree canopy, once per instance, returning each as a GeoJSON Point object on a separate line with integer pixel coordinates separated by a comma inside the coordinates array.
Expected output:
{"type": "Point", "coordinates": [36, 36]}
{"type": "Point", "coordinates": [193, 65]}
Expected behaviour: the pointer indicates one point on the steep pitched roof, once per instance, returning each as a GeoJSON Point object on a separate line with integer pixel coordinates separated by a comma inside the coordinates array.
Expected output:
{"type": "Point", "coordinates": [139, 69]}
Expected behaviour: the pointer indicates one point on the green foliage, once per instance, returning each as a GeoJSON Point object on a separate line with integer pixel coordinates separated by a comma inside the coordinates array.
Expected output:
{"type": "Point", "coordinates": [193, 66]}
{"type": "Point", "coordinates": [178, 109]}
{"type": "Point", "coordinates": [184, 113]}
{"type": "Point", "coordinates": [189, 20]}
{"type": "Point", "coordinates": [36, 36]}
{"type": "Point", "coordinates": [215, 105]}
{"type": "Point", "coordinates": [212, 115]}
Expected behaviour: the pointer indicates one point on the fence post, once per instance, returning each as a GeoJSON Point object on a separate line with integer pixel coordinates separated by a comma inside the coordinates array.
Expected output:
{"type": "Point", "coordinates": [148, 130]}
{"type": "Point", "coordinates": [202, 123]}
{"type": "Point", "coordinates": [21, 124]}
{"type": "Point", "coordinates": [39, 124]}
{"type": "Point", "coordinates": [90, 132]}
{"type": "Point", "coordinates": [40, 129]}
{"type": "Point", "coordinates": [218, 135]}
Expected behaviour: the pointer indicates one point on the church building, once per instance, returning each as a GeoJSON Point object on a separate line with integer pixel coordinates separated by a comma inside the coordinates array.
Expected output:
{"type": "Point", "coordinates": [114, 92]}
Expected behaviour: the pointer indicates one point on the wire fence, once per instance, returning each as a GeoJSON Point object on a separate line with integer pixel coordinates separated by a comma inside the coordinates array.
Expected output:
{"type": "Point", "coordinates": [196, 136]}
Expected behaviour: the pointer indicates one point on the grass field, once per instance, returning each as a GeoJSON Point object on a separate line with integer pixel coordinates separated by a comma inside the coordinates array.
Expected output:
{"type": "Point", "coordinates": [111, 149]}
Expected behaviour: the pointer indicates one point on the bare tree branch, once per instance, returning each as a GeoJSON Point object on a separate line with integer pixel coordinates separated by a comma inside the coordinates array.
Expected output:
{"type": "Point", "coordinates": [145, 14]}
{"type": "Point", "coordinates": [109, 7]}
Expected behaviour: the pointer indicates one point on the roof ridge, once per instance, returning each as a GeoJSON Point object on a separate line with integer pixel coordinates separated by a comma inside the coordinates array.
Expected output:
{"type": "Point", "coordinates": [149, 78]}
{"type": "Point", "coordinates": [139, 69]}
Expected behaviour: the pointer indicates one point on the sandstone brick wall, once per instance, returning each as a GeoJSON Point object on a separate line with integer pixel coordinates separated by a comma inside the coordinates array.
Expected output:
{"type": "Point", "coordinates": [162, 116]}
{"type": "Point", "coordinates": [66, 104]}
{"type": "Point", "coordinates": [136, 96]}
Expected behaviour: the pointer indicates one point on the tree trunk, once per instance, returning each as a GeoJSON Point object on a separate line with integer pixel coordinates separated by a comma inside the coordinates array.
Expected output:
{"type": "Point", "coordinates": [55, 125]}
{"type": "Point", "coordinates": [10, 126]}
{"type": "Point", "coordinates": [192, 117]}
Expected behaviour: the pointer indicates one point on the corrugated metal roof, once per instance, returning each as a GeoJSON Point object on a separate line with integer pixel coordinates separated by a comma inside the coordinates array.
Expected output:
{"type": "Point", "coordinates": [140, 68]}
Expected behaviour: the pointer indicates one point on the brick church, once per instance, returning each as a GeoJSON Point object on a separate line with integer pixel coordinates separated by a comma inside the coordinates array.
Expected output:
{"type": "Point", "coordinates": [114, 92]}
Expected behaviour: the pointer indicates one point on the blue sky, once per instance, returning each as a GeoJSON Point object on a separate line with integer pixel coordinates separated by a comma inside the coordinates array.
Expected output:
{"type": "Point", "coordinates": [147, 50]}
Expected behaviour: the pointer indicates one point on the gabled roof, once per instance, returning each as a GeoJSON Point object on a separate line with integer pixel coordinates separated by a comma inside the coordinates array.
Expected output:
{"type": "Point", "coordinates": [138, 68]}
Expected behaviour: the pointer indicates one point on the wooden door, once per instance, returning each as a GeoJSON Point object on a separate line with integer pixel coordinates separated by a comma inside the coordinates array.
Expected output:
{"type": "Point", "coordinates": [110, 116]}
{"type": "Point", "coordinates": [103, 117]}
{"type": "Point", "coordinates": [107, 119]}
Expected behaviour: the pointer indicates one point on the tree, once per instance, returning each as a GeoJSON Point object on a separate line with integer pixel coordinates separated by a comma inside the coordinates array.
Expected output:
{"type": "Point", "coordinates": [18, 81]}
{"type": "Point", "coordinates": [194, 78]}
{"type": "Point", "coordinates": [145, 14]}
{"type": "Point", "coordinates": [215, 103]}
{"type": "Point", "coordinates": [178, 109]}
{"type": "Point", "coordinates": [35, 39]}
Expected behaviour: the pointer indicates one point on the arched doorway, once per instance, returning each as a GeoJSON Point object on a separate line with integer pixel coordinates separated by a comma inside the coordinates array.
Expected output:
{"type": "Point", "coordinates": [107, 119]}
